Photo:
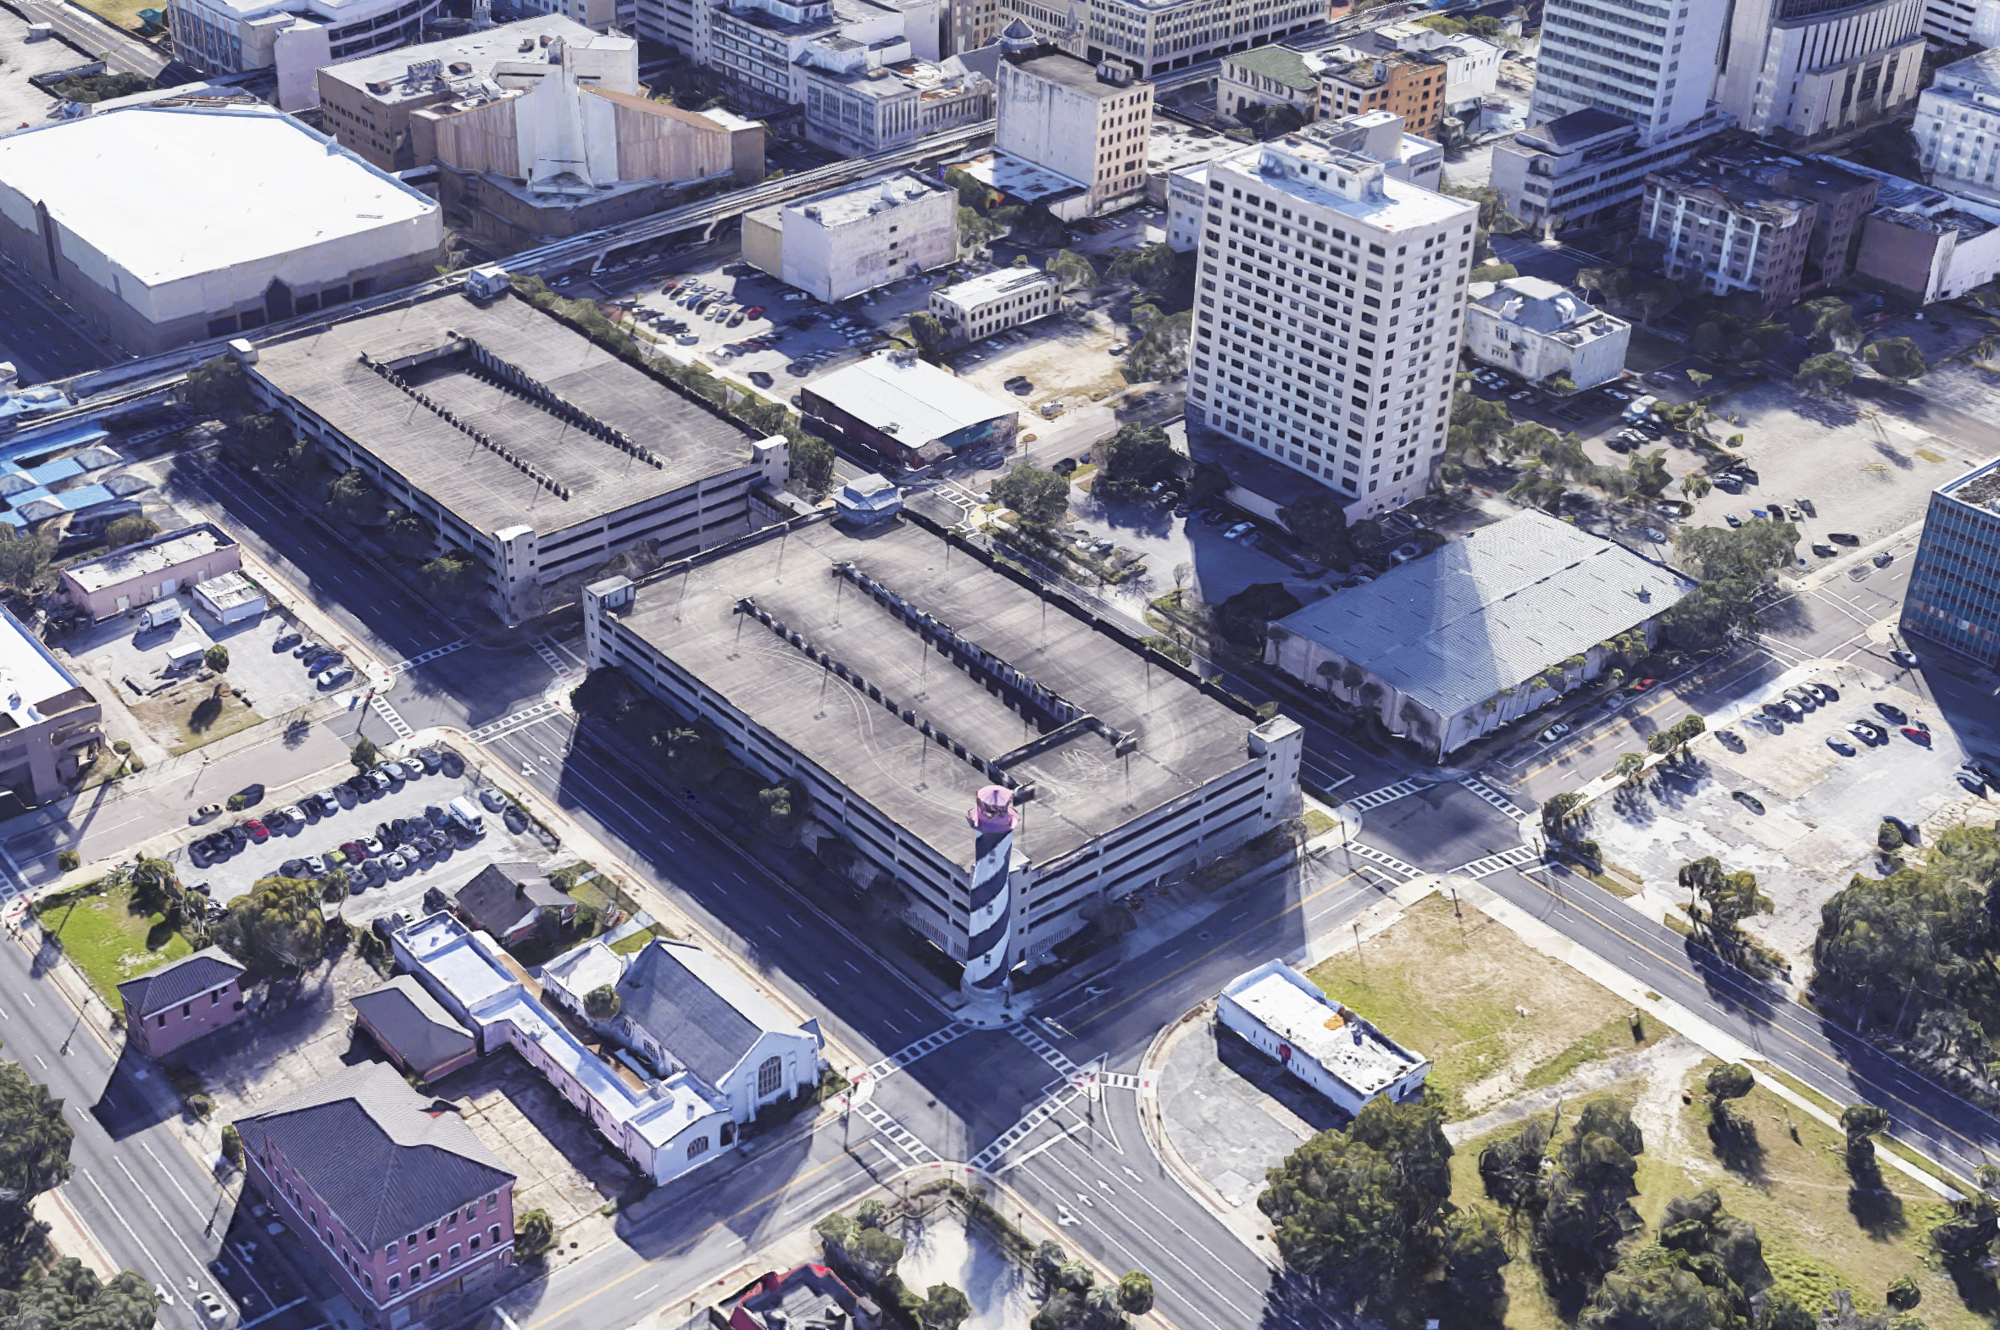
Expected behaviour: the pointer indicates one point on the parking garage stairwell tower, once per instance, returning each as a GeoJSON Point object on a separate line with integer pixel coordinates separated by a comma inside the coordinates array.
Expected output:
{"type": "Point", "coordinates": [992, 925]}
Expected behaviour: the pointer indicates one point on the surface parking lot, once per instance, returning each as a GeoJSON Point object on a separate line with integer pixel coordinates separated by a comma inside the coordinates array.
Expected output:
{"type": "Point", "coordinates": [1821, 807]}
{"type": "Point", "coordinates": [383, 890]}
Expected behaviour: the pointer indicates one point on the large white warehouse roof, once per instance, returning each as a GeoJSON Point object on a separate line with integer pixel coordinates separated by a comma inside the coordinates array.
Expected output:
{"type": "Point", "coordinates": [172, 192]}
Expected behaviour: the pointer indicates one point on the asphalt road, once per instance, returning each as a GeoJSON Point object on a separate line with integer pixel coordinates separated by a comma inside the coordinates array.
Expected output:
{"type": "Point", "coordinates": [152, 1206]}
{"type": "Point", "coordinates": [39, 339]}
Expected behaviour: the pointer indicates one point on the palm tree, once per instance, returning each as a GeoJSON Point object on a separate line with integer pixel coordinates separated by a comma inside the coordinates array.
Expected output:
{"type": "Point", "coordinates": [1695, 485]}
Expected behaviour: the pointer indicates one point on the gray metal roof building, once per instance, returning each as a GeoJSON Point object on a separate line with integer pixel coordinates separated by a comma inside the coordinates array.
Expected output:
{"type": "Point", "coordinates": [1484, 614]}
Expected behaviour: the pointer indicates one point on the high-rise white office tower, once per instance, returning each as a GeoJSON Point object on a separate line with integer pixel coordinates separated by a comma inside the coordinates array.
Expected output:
{"type": "Point", "coordinates": [1651, 62]}
{"type": "Point", "coordinates": [1328, 308]}
{"type": "Point", "coordinates": [1800, 71]}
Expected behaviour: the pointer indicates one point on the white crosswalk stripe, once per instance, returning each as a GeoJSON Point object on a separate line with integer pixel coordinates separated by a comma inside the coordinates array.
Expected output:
{"type": "Point", "coordinates": [388, 713]}
{"type": "Point", "coordinates": [902, 1137]}
{"type": "Point", "coordinates": [1044, 1050]}
{"type": "Point", "coordinates": [1030, 1120]}
{"type": "Point", "coordinates": [546, 650]}
{"type": "Point", "coordinates": [953, 495]}
{"type": "Point", "coordinates": [405, 666]}
{"type": "Point", "coordinates": [909, 1053]}
{"type": "Point", "coordinates": [1518, 857]}
{"type": "Point", "coordinates": [1494, 797]}
{"type": "Point", "coordinates": [1377, 857]}
{"type": "Point", "coordinates": [1118, 1080]}
{"type": "Point", "coordinates": [1388, 794]}
{"type": "Point", "coordinates": [508, 724]}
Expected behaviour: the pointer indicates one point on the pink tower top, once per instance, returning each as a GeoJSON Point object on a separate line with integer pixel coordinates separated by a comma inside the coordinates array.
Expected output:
{"type": "Point", "coordinates": [993, 811]}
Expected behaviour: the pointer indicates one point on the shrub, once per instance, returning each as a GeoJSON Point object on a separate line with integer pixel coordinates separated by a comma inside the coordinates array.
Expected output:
{"type": "Point", "coordinates": [534, 1233]}
{"type": "Point", "coordinates": [232, 1144]}
{"type": "Point", "coordinates": [216, 658]}
{"type": "Point", "coordinates": [68, 860]}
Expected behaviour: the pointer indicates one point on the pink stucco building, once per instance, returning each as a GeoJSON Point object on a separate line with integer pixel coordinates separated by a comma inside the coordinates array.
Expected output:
{"type": "Point", "coordinates": [181, 1001]}
{"type": "Point", "coordinates": [138, 575]}
{"type": "Point", "coordinates": [388, 1190]}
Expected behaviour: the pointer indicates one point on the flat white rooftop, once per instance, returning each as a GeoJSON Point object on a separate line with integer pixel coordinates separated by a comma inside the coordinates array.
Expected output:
{"type": "Point", "coordinates": [28, 673]}
{"type": "Point", "coordinates": [1354, 1052]}
{"type": "Point", "coordinates": [993, 285]}
{"type": "Point", "coordinates": [480, 50]}
{"type": "Point", "coordinates": [173, 192]}
{"type": "Point", "coordinates": [142, 560]}
{"type": "Point", "coordinates": [851, 203]}
{"type": "Point", "coordinates": [1310, 172]}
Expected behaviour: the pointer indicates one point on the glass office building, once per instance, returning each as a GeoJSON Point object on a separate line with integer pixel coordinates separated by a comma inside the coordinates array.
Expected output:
{"type": "Point", "coordinates": [1954, 595]}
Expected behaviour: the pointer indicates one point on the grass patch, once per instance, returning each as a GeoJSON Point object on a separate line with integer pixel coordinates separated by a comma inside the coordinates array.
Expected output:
{"type": "Point", "coordinates": [1612, 1039]}
{"type": "Point", "coordinates": [1318, 823]}
{"type": "Point", "coordinates": [1456, 990]}
{"type": "Point", "coordinates": [1672, 919]}
{"type": "Point", "coordinates": [187, 719]}
{"type": "Point", "coordinates": [1818, 1234]}
{"type": "Point", "coordinates": [638, 939]}
{"type": "Point", "coordinates": [107, 938]}
{"type": "Point", "coordinates": [121, 13]}
{"type": "Point", "coordinates": [1609, 883]}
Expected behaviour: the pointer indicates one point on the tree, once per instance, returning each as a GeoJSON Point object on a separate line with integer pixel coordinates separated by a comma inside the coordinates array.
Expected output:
{"type": "Point", "coordinates": [929, 330]}
{"type": "Point", "coordinates": [1071, 269]}
{"type": "Point", "coordinates": [1493, 272]}
{"type": "Point", "coordinates": [534, 1233]}
{"type": "Point", "coordinates": [1587, 1211]}
{"type": "Point", "coordinates": [1904, 1295]}
{"type": "Point", "coordinates": [69, 1296]}
{"type": "Point", "coordinates": [1862, 1122]}
{"type": "Point", "coordinates": [1727, 898]}
{"type": "Point", "coordinates": [452, 573]}
{"type": "Point", "coordinates": [1823, 373]}
{"type": "Point", "coordinates": [130, 531]}
{"type": "Point", "coordinates": [1732, 1080]}
{"type": "Point", "coordinates": [601, 1003]}
{"type": "Point", "coordinates": [24, 560]}
{"type": "Point", "coordinates": [411, 536]}
{"type": "Point", "coordinates": [1733, 567]}
{"type": "Point", "coordinates": [34, 1158]}
{"type": "Point", "coordinates": [1702, 1273]}
{"type": "Point", "coordinates": [1475, 1253]}
{"type": "Point", "coordinates": [812, 462]}
{"type": "Point", "coordinates": [232, 1144]}
{"type": "Point", "coordinates": [1135, 1293]}
{"type": "Point", "coordinates": [216, 658]}
{"type": "Point", "coordinates": [1162, 352]}
{"type": "Point", "coordinates": [944, 1308]}
{"type": "Point", "coordinates": [1629, 765]}
{"type": "Point", "coordinates": [1319, 520]}
{"type": "Point", "coordinates": [363, 754]}
{"type": "Point", "coordinates": [1896, 359]}
{"type": "Point", "coordinates": [276, 927]}
{"type": "Point", "coordinates": [1695, 485]}
{"type": "Point", "coordinates": [1511, 1168]}
{"type": "Point", "coordinates": [1833, 326]}
{"type": "Point", "coordinates": [1039, 498]}
{"type": "Point", "coordinates": [1357, 1209]}
{"type": "Point", "coordinates": [1133, 458]}
{"type": "Point", "coordinates": [356, 498]}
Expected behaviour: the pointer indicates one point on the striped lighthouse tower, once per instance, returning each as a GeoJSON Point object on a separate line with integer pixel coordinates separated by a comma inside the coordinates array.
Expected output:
{"type": "Point", "coordinates": [986, 955]}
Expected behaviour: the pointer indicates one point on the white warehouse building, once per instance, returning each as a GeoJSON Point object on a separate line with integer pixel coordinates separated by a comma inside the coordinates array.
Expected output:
{"type": "Point", "coordinates": [1538, 330]}
{"type": "Point", "coordinates": [1324, 1043]}
{"type": "Point", "coordinates": [855, 238]}
{"type": "Point", "coordinates": [166, 225]}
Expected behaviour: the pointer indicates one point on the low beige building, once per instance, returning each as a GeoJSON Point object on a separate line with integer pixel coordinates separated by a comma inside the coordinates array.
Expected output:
{"type": "Point", "coordinates": [994, 302]}
{"type": "Point", "coordinates": [1540, 331]}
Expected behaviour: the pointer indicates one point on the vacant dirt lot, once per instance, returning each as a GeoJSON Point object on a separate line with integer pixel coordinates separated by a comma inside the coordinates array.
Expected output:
{"type": "Point", "coordinates": [1494, 1017]}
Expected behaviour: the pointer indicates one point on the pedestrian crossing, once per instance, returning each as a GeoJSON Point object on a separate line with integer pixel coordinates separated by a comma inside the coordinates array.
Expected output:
{"type": "Point", "coordinates": [1518, 857]}
{"type": "Point", "coordinates": [1030, 1120]}
{"type": "Point", "coordinates": [1494, 797]}
{"type": "Point", "coordinates": [954, 496]}
{"type": "Point", "coordinates": [1045, 1050]}
{"type": "Point", "coordinates": [1119, 1080]}
{"type": "Point", "coordinates": [405, 666]}
{"type": "Point", "coordinates": [381, 707]}
{"type": "Point", "coordinates": [1382, 860]}
{"type": "Point", "coordinates": [508, 724]}
{"type": "Point", "coordinates": [1388, 794]}
{"type": "Point", "coordinates": [923, 1047]}
{"type": "Point", "coordinates": [896, 1133]}
{"type": "Point", "coordinates": [546, 650]}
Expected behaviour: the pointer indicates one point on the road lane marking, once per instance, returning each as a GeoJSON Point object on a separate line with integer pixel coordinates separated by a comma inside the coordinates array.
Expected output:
{"type": "Point", "coordinates": [146, 1196]}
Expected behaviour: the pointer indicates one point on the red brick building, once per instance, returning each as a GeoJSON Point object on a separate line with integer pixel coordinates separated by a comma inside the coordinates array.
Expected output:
{"type": "Point", "coordinates": [808, 1296]}
{"type": "Point", "coordinates": [182, 1001]}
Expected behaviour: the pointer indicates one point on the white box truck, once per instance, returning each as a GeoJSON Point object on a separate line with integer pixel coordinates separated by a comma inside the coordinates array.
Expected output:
{"type": "Point", "coordinates": [159, 614]}
{"type": "Point", "coordinates": [466, 813]}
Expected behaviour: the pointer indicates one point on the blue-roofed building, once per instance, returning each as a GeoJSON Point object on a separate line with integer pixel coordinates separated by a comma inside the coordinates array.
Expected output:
{"type": "Point", "coordinates": [1460, 642]}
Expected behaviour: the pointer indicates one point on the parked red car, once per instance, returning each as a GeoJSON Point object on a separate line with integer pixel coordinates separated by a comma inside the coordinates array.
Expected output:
{"type": "Point", "coordinates": [258, 831]}
{"type": "Point", "coordinates": [1643, 685]}
{"type": "Point", "coordinates": [1917, 736]}
{"type": "Point", "coordinates": [355, 850]}
{"type": "Point", "coordinates": [754, 312]}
